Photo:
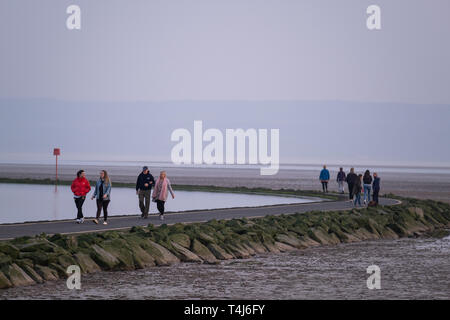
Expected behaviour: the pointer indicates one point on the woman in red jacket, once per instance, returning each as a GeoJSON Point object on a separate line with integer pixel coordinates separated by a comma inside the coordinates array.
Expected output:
{"type": "Point", "coordinates": [80, 187]}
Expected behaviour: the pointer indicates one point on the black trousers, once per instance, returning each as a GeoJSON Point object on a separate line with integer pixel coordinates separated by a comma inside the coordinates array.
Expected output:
{"type": "Point", "coordinates": [79, 203]}
{"type": "Point", "coordinates": [160, 206]}
{"type": "Point", "coordinates": [325, 186]}
{"type": "Point", "coordinates": [350, 190]}
{"type": "Point", "coordinates": [102, 204]}
{"type": "Point", "coordinates": [375, 195]}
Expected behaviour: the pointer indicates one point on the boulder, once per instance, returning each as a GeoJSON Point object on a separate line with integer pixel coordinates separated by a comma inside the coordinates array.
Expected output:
{"type": "Point", "coordinates": [290, 240]}
{"type": "Point", "coordinates": [181, 239]}
{"type": "Point", "coordinates": [17, 276]}
{"type": "Point", "coordinates": [9, 250]}
{"type": "Point", "coordinates": [104, 259]}
{"type": "Point", "coordinates": [32, 273]}
{"type": "Point", "coordinates": [203, 252]}
{"type": "Point", "coordinates": [38, 245]}
{"type": "Point", "coordinates": [258, 247]}
{"type": "Point", "coordinates": [46, 273]}
{"type": "Point", "coordinates": [219, 252]}
{"type": "Point", "coordinates": [5, 260]}
{"type": "Point", "coordinates": [87, 265]}
{"type": "Point", "coordinates": [119, 249]}
{"type": "Point", "coordinates": [283, 247]}
{"type": "Point", "coordinates": [37, 257]}
{"type": "Point", "coordinates": [4, 281]}
{"type": "Point", "coordinates": [184, 254]}
{"type": "Point", "coordinates": [162, 256]}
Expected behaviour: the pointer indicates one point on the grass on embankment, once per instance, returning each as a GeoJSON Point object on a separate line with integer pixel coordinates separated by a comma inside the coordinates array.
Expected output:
{"type": "Point", "coordinates": [30, 260]}
{"type": "Point", "coordinates": [181, 187]}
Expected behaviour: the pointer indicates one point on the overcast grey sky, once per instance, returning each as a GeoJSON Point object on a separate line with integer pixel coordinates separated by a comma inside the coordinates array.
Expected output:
{"type": "Point", "coordinates": [349, 94]}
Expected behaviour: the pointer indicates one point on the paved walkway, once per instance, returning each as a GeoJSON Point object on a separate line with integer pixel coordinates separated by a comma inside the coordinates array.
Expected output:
{"type": "Point", "coordinates": [9, 231]}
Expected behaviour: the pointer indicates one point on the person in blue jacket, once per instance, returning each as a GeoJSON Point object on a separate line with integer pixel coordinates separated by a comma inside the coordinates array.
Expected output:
{"type": "Point", "coordinates": [375, 187]}
{"type": "Point", "coordinates": [324, 178]}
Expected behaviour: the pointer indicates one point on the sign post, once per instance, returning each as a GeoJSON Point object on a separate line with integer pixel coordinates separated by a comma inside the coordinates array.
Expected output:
{"type": "Point", "coordinates": [56, 153]}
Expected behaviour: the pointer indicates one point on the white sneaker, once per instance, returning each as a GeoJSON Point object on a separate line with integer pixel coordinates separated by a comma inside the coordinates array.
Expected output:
{"type": "Point", "coordinates": [78, 221]}
{"type": "Point", "coordinates": [104, 222]}
{"type": "Point", "coordinates": [82, 220]}
{"type": "Point", "coordinates": [161, 217]}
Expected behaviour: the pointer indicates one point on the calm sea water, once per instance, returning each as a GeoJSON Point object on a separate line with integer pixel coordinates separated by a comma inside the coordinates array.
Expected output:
{"type": "Point", "coordinates": [410, 269]}
{"type": "Point", "coordinates": [22, 202]}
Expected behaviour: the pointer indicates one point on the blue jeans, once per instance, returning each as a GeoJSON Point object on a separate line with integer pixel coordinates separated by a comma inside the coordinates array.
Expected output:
{"type": "Point", "coordinates": [357, 198]}
{"type": "Point", "coordinates": [367, 190]}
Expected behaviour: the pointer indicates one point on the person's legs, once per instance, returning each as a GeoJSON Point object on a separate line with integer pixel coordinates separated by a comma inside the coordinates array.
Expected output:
{"type": "Point", "coordinates": [79, 203]}
{"type": "Point", "coordinates": [375, 195]}
{"type": "Point", "coordinates": [99, 208]}
{"type": "Point", "coordinates": [141, 202]}
{"type": "Point", "coordinates": [326, 186]}
{"type": "Point", "coordinates": [147, 203]}
{"type": "Point", "coordinates": [160, 206]}
{"type": "Point", "coordinates": [365, 193]}
{"type": "Point", "coordinates": [369, 189]}
{"type": "Point", "coordinates": [341, 186]}
{"type": "Point", "coordinates": [350, 191]}
{"type": "Point", "coordinates": [357, 199]}
{"type": "Point", "coordinates": [105, 204]}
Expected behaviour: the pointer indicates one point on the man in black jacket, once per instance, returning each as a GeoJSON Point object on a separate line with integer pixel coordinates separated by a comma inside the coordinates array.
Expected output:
{"type": "Point", "coordinates": [144, 184]}
{"type": "Point", "coordinates": [351, 180]}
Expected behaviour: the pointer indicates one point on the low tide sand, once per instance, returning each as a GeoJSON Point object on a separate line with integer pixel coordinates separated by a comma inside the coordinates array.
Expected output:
{"type": "Point", "coordinates": [434, 186]}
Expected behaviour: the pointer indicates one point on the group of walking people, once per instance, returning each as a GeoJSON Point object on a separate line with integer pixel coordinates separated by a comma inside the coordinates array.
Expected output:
{"type": "Point", "coordinates": [357, 184]}
{"type": "Point", "coordinates": [102, 193]}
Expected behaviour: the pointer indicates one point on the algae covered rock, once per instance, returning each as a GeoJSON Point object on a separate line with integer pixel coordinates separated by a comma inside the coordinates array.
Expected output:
{"type": "Point", "coordinates": [162, 256]}
{"type": "Point", "coordinates": [104, 259]}
{"type": "Point", "coordinates": [47, 273]}
{"type": "Point", "coordinates": [184, 254]}
{"type": "Point", "coordinates": [181, 239]}
{"type": "Point", "coordinates": [9, 250]}
{"type": "Point", "coordinates": [4, 281]}
{"type": "Point", "coordinates": [32, 273]}
{"type": "Point", "coordinates": [219, 252]}
{"type": "Point", "coordinates": [17, 276]}
{"type": "Point", "coordinates": [86, 264]}
{"type": "Point", "coordinates": [203, 252]}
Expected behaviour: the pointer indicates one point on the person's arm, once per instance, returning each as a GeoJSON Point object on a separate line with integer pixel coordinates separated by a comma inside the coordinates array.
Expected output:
{"type": "Point", "coordinates": [95, 192]}
{"type": "Point", "coordinates": [137, 183]}
{"type": "Point", "coordinates": [152, 180]}
{"type": "Point", "coordinates": [108, 190]}
{"type": "Point", "coordinates": [169, 186]}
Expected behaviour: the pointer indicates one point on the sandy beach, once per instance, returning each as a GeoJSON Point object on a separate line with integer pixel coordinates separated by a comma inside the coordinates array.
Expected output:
{"type": "Point", "coordinates": [419, 184]}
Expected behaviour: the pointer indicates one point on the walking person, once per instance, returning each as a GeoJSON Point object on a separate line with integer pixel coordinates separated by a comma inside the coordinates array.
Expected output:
{"type": "Point", "coordinates": [340, 180]}
{"type": "Point", "coordinates": [357, 190]}
{"type": "Point", "coordinates": [80, 188]}
{"type": "Point", "coordinates": [375, 187]}
{"type": "Point", "coordinates": [367, 185]}
{"type": "Point", "coordinates": [351, 180]}
{"type": "Point", "coordinates": [103, 195]}
{"type": "Point", "coordinates": [324, 177]}
{"type": "Point", "coordinates": [162, 186]}
{"type": "Point", "coordinates": [144, 184]}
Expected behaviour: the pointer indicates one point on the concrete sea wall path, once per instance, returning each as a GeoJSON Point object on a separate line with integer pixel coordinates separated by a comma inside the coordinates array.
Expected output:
{"type": "Point", "coordinates": [11, 231]}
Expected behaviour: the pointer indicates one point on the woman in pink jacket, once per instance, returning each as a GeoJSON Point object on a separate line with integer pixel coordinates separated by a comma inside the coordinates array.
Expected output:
{"type": "Point", "coordinates": [162, 186]}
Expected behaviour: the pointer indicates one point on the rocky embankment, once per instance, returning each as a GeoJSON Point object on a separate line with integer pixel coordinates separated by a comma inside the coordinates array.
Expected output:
{"type": "Point", "coordinates": [26, 261]}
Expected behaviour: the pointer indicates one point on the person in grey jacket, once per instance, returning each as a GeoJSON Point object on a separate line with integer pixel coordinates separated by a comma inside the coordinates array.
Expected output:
{"type": "Point", "coordinates": [103, 195]}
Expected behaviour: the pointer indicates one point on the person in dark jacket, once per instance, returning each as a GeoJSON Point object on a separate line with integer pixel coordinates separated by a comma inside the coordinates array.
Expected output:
{"type": "Point", "coordinates": [80, 188]}
{"type": "Point", "coordinates": [375, 187]}
{"type": "Point", "coordinates": [324, 177]}
{"type": "Point", "coordinates": [144, 184]}
{"type": "Point", "coordinates": [351, 180]}
{"type": "Point", "coordinates": [367, 185]}
{"type": "Point", "coordinates": [102, 193]}
{"type": "Point", "coordinates": [340, 180]}
{"type": "Point", "coordinates": [357, 190]}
